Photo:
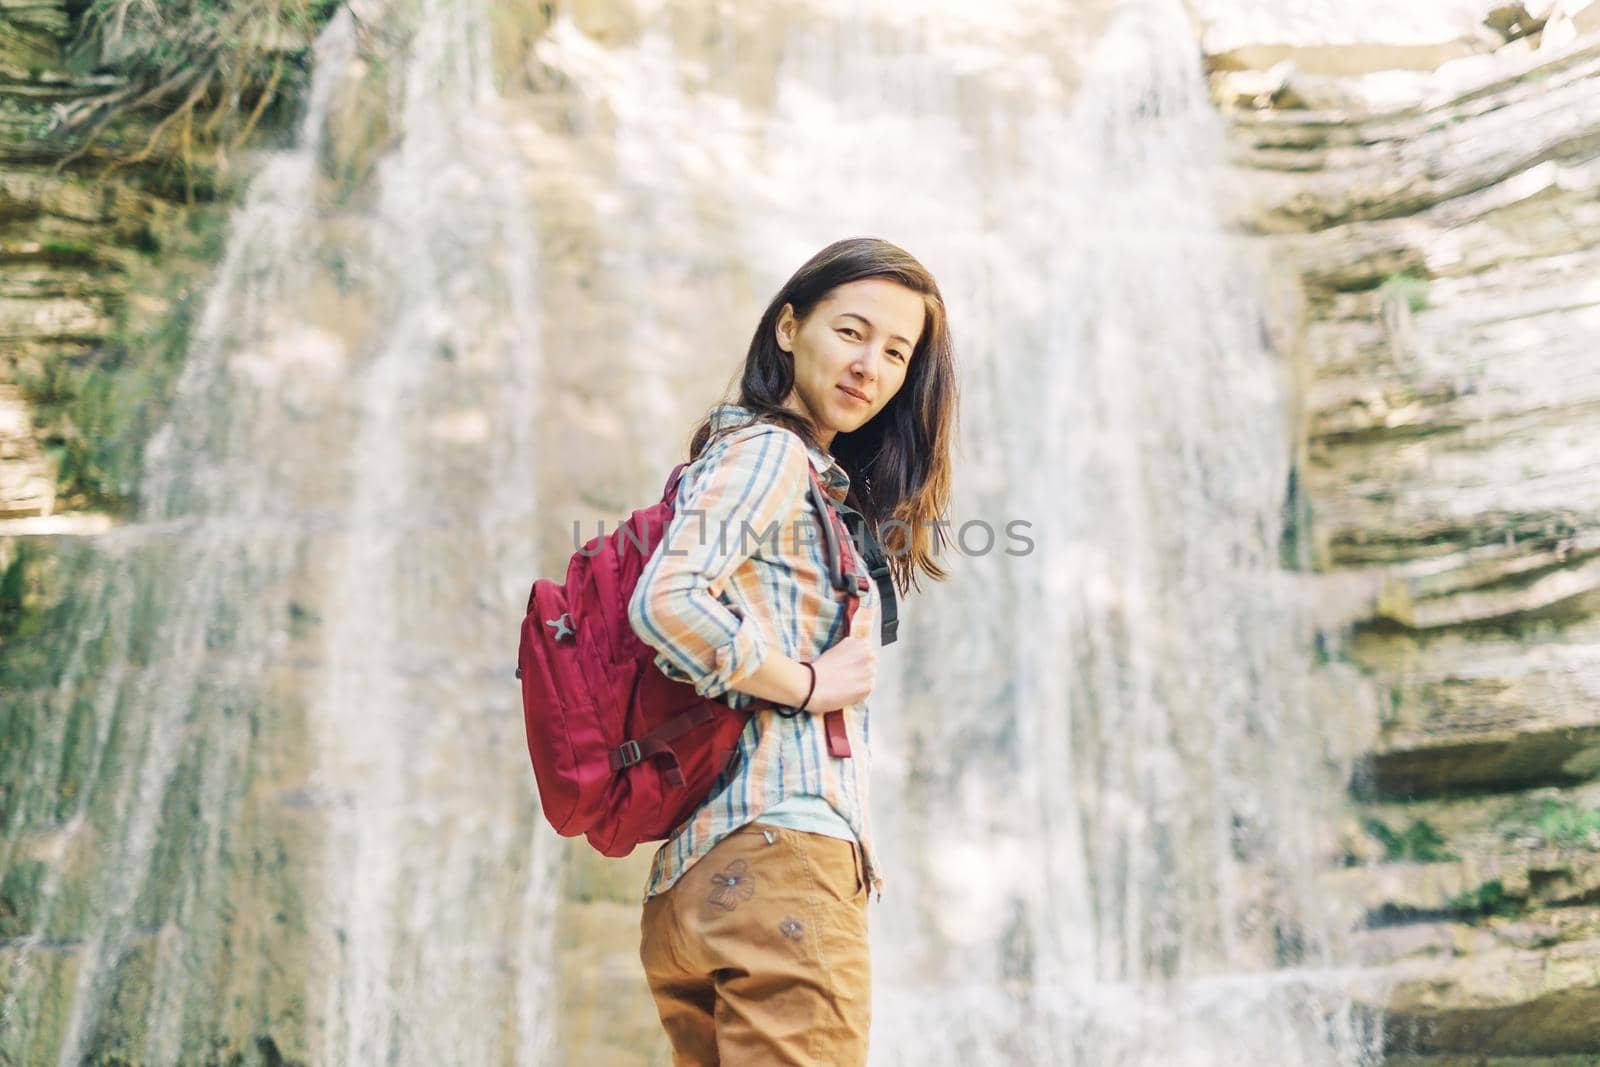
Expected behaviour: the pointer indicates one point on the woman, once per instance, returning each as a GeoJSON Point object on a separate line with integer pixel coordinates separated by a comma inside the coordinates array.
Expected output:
{"type": "Point", "coordinates": [754, 932]}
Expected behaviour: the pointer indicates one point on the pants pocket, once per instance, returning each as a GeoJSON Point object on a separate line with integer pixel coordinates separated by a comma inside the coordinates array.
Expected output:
{"type": "Point", "coordinates": [837, 868]}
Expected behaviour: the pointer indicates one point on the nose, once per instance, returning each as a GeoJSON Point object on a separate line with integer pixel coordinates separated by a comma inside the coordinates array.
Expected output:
{"type": "Point", "coordinates": [865, 367]}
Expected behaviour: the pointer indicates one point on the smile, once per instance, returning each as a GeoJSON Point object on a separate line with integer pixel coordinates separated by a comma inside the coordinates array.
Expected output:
{"type": "Point", "coordinates": [849, 392]}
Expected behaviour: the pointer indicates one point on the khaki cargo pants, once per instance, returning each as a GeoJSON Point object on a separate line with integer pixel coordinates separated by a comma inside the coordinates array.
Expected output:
{"type": "Point", "coordinates": [758, 954]}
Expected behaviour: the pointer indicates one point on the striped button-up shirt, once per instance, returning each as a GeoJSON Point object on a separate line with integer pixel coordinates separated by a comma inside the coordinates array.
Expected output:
{"type": "Point", "coordinates": [723, 591]}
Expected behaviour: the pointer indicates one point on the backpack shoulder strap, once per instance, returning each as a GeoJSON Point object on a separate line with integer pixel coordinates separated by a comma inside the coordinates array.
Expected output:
{"type": "Point", "coordinates": [830, 533]}
{"type": "Point", "coordinates": [878, 568]}
{"type": "Point", "coordinates": [671, 488]}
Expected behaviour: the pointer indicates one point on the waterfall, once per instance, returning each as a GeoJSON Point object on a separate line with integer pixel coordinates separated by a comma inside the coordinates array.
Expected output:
{"type": "Point", "coordinates": [423, 885]}
{"type": "Point", "coordinates": [182, 624]}
{"type": "Point", "coordinates": [301, 642]}
{"type": "Point", "coordinates": [1118, 802]}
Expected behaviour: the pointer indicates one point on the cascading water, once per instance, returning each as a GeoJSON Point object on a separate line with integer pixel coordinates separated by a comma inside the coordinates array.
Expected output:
{"type": "Point", "coordinates": [422, 880]}
{"type": "Point", "coordinates": [300, 643]}
{"type": "Point", "coordinates": [180, 634]}
{"type": "Point", "coordinates": [1120, 810]}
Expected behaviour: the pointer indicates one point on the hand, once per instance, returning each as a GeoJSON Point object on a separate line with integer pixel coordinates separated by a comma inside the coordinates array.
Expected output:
{"type": "Point", "coordinates": [846, 672]}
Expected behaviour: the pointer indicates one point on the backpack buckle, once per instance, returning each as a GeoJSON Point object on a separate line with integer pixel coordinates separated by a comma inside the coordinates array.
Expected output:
{"type": "Point", "coordinates": [629, 754]}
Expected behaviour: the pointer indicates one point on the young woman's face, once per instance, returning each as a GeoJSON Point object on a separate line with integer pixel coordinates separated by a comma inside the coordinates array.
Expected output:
{"type": "Point", "coordinates": [851, 353]}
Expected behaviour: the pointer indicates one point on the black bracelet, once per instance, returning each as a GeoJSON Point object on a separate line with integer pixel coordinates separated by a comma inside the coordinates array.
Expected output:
{"type": "Point", "coordinates": [813, 687]}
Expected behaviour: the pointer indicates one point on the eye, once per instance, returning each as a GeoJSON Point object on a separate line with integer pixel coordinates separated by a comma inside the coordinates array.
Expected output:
{"type": "Point", "coordinates": [897, 354]}
{"type": "Point", "coordinates": [849, 330]}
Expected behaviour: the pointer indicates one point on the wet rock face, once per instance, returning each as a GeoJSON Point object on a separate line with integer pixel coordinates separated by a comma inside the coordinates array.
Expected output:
{"type": "Point", "coordinates": [100, 271]}
{"type": "Point", "coordinates": [1444, 231]}
{"type": "Point", "coordinates": [106, 235]}
{"type": "Point", "coordinates": [26, 487]}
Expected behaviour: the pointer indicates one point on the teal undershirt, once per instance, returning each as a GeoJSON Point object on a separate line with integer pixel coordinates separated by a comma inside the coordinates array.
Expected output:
{"type": "Point", "coordinates": [807, 811]}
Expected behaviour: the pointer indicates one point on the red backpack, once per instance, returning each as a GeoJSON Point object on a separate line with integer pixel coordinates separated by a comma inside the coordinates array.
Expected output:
{"type": "Point", "coordinates": [622, 753]}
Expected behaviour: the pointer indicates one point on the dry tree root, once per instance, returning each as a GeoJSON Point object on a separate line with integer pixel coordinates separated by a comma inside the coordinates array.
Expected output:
{"type": "Point", "coordinates": [213, 67]}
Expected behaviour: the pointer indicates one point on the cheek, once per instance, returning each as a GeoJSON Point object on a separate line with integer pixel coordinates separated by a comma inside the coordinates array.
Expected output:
{"type": "Point", "coordinates": [826, 357]}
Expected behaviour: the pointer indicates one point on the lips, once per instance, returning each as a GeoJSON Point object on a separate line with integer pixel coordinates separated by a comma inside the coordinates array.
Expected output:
{"type": "Point", "coordinates": [852, 392]}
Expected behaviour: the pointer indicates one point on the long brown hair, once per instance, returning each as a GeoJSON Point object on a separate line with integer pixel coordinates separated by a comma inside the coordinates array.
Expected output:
{"type": "Point", "coordinates": [899, 462]}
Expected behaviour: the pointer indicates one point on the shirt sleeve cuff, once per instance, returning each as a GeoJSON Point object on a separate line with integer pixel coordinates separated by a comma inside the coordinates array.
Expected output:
{"type": "Point", "coordinates": [735, 660]}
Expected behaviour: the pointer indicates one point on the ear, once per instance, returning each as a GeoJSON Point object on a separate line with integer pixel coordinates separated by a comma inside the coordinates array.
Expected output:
{"type": "Point", "coordinates": [785, 327]}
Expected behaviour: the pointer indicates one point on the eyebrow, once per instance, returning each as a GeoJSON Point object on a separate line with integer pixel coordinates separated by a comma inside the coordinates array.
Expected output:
{"type": "Point", "coordinates": [868, 321]}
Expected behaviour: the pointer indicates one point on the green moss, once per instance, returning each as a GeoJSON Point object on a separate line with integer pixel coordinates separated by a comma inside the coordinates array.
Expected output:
{"type": "Point", "coordinates": [38, 623]}
{"type": "Point", "coordinates": [19, 616]}
{"type": "Point", "coordinates": [1411, 288]}
{"type": "Point", "coordinates": [85, 252]}
{"type": "Point", "coordinates": [144, 631]}
{"type": "Point", "coordinates": [302, 620]}
{"type": "Point", "coordinates": [15, 739]}
{"type": "Point", "coordinates": [1548, 822]}
{"type": "Point", "coordinates": [1419, 843]}
{"type": "Point", "coordinates": [93, 416]}
{"type": "Point", "coordinates": [181, 834]}
{"type": "Point", "coordinates": [1295, 525]}
{"type": "Point", "coordinates": [77, 753]}
{"type": "Point", "coordinates": [19, 895]}
{"type": "Point", "coordinates": [19, 720]}
{"type": "Point", "coordinates": [121, 1033]}
{"type": "Point", "coordinates": [39, 1009]}
{"type": "Point", "coordinates": [1568, 825]}
{"type": "Point", "coordinates": [1487, 899]}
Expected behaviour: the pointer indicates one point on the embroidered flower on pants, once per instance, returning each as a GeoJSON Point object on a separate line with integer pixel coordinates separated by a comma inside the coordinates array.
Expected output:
{"type": "Point", "coordinates": [731, 885]}
{"type": "Point", "coordinates": [791, 928]}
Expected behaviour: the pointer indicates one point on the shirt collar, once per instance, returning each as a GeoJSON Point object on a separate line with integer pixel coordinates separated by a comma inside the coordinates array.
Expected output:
{"type": "Point", "coordinates": [834, 478]}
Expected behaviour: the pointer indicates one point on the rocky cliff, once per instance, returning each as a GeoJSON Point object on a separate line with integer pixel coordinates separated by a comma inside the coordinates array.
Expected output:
{"type": "Point", "coordinates": [125, 134]}
{"type": "Point", "coordinates": [1430, 202]}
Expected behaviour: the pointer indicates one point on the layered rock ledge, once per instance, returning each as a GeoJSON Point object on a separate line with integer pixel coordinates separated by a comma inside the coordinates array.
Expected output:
{"type": "Point", "coordinates": [1436, 207]}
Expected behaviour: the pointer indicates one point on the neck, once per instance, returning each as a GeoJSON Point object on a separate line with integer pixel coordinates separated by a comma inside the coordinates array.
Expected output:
{"type": "Point", "coordinates": [824, 433]}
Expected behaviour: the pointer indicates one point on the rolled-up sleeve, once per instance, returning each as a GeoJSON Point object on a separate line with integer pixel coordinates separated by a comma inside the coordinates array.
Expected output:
{"type": "Point", "coordinates": [748, 483]}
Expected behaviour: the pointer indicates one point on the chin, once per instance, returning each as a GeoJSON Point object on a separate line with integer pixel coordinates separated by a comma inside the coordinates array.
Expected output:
{"type": "Point", "coordinates": [845, 421]}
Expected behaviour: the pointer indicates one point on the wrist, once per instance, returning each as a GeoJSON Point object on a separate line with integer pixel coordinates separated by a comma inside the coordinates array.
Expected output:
{"type": "Point", "coordinates": [811, 686]}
